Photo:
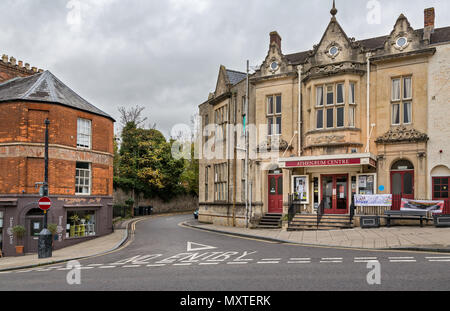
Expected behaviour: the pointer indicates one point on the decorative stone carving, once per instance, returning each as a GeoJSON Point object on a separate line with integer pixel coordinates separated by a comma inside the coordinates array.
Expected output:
{"type": "Point", "coordinates": [329, 139]}
{"type": "Point", "coordinates": [271, 145]}
{"type": "Point", "coordinates": [402, 134]}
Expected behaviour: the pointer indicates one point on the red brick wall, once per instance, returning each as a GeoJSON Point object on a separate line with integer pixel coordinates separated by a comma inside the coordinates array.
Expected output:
{"type": "Point", "coordinates": [24, 122]}
{"type": "Point", "coordinates": [8, 71]}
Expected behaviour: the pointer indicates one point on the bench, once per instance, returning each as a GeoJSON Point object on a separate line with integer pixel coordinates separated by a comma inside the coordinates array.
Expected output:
{"type": "Point", "coordinates": [419, 215]}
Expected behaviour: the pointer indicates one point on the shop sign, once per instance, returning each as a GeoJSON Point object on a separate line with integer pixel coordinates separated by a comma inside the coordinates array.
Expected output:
{"type": "Point", "coordinates": [436, 207]}
{"type": "Point", "coordinates": [373, 200]}
{"type": "Point", "coordinates": [331, 162]}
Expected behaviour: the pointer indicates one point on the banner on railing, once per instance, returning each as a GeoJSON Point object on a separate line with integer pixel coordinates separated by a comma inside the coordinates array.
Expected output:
{"type": "Point", "coordinates": [436, 207]}
{"type": "Point", "coordinates": [373, 200]}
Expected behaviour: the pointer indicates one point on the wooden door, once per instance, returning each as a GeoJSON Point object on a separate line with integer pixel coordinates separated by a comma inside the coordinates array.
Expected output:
{"type": "Point", "coordinates": [275, 185]}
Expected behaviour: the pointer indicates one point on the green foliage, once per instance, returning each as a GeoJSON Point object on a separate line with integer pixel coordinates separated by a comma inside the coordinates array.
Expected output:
{"type": "Point", "coordinates": [19, 231]}
{"type": "Point", "coordinates": [52, 228]}
{"type": "Point", "coordinates": [146, 165]}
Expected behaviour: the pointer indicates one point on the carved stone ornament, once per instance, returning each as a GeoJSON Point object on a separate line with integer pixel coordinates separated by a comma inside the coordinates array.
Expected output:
{"type": "Point", "coordinates": [402, 134]}
{"type": "Point", "coordinates": [333, 45]}
{"type": "Point", "coordinates": [274, 144]}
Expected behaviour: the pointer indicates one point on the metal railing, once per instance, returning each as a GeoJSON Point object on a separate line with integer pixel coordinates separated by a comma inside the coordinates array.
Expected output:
{"type": "Point", "coordinates": [320, 212]}
{"type": "Point", "coordinates": [294, 208]}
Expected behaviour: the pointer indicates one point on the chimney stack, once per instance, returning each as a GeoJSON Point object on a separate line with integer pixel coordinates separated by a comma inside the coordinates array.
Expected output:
{"type": "Point", "coordinates": [429, 18]}
{"type": "Point", "coordinates": [275, 38]}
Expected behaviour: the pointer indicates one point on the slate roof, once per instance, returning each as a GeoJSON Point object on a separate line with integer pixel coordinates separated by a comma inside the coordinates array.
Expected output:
{"type": "Point", "coordinates": [45, 87]}
{"type": "Point", "coordinates": [440, 35]}
{"type": "Point", "coordinates": [235, 76]}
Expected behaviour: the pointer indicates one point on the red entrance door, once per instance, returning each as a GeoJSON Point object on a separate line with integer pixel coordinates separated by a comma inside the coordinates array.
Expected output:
{"type": "Point", "coordinates": [402, 187]}
{"type": "Point", "coordinates": [335, 194]}
{"type": "Point", "coordinates": [276, 194]}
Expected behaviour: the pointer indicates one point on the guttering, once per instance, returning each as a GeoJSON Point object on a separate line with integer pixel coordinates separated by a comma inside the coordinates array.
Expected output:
{"type": "Point", "coordinates": [299, 133]}
{"type": "Point", "coordinates": [368, 55]}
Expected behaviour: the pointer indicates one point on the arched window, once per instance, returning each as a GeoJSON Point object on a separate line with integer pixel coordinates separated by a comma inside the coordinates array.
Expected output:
{"type": "Point", "coordinates": [402, 165]}
{"type": "Point", "coordinates": [35, 212]}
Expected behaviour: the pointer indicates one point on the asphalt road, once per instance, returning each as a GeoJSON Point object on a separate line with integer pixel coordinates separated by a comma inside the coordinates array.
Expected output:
{"type": "Point", "coordinates": [166, 256]}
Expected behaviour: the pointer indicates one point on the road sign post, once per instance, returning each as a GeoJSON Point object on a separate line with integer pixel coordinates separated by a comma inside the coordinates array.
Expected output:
{"type": "Point", "coordinates": [45, 236]}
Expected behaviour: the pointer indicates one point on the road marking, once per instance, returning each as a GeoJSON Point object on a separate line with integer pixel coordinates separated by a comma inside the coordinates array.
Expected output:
{"type": "Point", "coordinates": [131, 266]}
{"type": "Point", "coordinates": [106, 267]}
{"type": "Point", "coordinates": [182, 264]}
{"type": "Point", "coordinates": [21, 271]}
{"type": "Point", "coordinates": [337, 258]}
{"type": "Point", "coordinates": [439, 260]}
{"type": "Point", "coordinates": [86, 268]}
{"type": "Point", "coordinates": [208, 263]}
{"type": "Point", "coordinates": [294, 262]}
{"type": "Point", "coordinates": [271, 259]}
{"type": "Point", "coordinates": [300, 259]}
{"type": "Point", "coordinates": [237, 263]}
{"type": "Point", "coordinates": [200, 247]}
{"type": "Point", "coordinates": [268, 262]}
{"type": "Point", "coordinates": [402, 260]}
{"type": "Point", "coordinates": [445, 257]}
{"type": "Point", "coordinates": [156, 265]}
{"type": "Point", "coordinates": [331, 261]}
{"type": "Point", "coordinates": [95, 265]}
{"type": "Point", "coordinates": [363, 258]}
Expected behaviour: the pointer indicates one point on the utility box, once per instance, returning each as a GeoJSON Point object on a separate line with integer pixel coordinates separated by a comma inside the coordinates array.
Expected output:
{"type": "Point", "coordinates": [442, 220]}
{"type": "Point", "coordinates": [370, 222]}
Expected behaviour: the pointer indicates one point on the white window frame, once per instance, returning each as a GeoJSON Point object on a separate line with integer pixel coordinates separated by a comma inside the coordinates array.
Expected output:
{"type": "Point", "coordinates": [343, 93]}
{"type": "Point", "coordinates": [84, 130]}
{"type": "Point", "coordinates": [84, 177]}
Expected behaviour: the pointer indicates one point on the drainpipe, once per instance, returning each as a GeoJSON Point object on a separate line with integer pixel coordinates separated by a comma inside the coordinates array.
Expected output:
{"type": "Point", "coordinates": [299, 70]}
{"type": "Point", "coordinates": [368, 55]}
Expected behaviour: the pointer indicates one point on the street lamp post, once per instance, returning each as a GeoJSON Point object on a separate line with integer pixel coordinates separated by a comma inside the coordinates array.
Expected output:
{"type": "Point", "coordinates": [45, 236]}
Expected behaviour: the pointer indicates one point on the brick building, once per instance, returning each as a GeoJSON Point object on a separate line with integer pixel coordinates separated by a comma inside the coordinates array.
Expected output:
{"type": "Point", "coordinates": [80, 159]}
{"type": "Point", "coordinates": [346, 117]}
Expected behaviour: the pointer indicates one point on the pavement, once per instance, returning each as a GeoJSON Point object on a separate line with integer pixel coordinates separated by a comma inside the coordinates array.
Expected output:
{"type": "Point", "coordinates": [393, 238]}
{"type": "Point", "coordinates": [86, 249]}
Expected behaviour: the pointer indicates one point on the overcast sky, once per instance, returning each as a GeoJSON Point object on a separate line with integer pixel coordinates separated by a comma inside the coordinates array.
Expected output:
{"type": "Point", "coordinates": [165, 54]}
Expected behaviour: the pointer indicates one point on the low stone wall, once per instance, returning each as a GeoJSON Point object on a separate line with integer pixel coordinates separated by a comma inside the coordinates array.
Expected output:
{"type": "Point", "coordinates": [178, 204]}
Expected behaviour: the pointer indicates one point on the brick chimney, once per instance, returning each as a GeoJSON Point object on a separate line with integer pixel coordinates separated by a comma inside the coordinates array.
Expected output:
{"type": "Point", "coordinates": [429, 18]}
{"type": "Point", "coordinates": [275, 38]}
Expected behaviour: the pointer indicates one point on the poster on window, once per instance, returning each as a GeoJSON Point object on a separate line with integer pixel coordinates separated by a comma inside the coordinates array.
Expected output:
{"type": "Point", "coordinates": [435, 207]}
{"type": "Point", "coordinates": [373, 200]}
{"type": "Point", "coordinates": [300, 188]}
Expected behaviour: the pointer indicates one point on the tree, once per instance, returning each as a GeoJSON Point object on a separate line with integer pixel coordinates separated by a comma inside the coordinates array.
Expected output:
{"type": "Point", "coordinates": [132, 115]}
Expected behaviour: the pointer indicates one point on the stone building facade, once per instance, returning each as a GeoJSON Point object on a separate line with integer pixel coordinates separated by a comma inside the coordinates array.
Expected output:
{"type": "Point", "coordinates": [80, 160]}
{"type": "Point", "coordinates": [362, 124]}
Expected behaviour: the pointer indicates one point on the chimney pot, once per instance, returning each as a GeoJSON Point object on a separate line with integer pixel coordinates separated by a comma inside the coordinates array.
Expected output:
{"type": "Point", "coordinates": [429, 17]}
{"type": "Point", "coordinates": [20, 63]}
{"type": "Point", "coordinates": [5, 58]}
{"type": "Point", "coordinates": [27, 66]}
{"type": "Point", "coordinates": [34, 69]}
{"type": "Point", "coordinates": [12, 61]}
{"type": "Point", "coordinates": [275, 38]}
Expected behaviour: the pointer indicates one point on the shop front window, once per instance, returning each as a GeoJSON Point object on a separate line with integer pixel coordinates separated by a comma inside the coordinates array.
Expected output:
{"type": "Point", "coordinates": [80, 224]}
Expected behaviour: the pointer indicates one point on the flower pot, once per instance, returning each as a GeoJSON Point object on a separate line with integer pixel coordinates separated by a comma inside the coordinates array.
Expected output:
{"type": "Point", "coordinates": [19, 250]}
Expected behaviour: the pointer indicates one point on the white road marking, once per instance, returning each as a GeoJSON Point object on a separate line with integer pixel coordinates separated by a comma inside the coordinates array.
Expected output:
{"type": "Point", "coordinates": [439, 260]}
{"type": "Point", "coordinates": [200, 247]}
{"type": "Point", "coordinates": [331, 261]}
{"type": "Point", "coordinates": [237, 263]}
{"type": "Point", "coordinates": [106, 267]}
{"type": "Point", "coordinates": [444, 257]}
{"type": "Point", "coordinates": [296, 262]}
{"type": "Point", "coordinates": [182, 264]}
{"type": "Point", "coordinates": [131, 266]}
{"type": "Point", "coordinates": [86, 268]}
{"type": "Point", "coordinates": [95, 265]}
{"type": "Point", "coordinates": [300, 259]}
{"type": "Point", "coordinates": [64, 269]}
{"type": "Point", "coordinates": [365, 258]}
{"type": "Point", "coordinates": [208, 263]}
{"type": "Point", "coordinates": [267, 262]}
{"type": "Point", "coordinates": [271, 259]}
{"type": "Point", "coordinates": [402, 260]}
{"type": "Point", "coordinates": [156, 265]}
{"type": "Point", "coordinates": [337, 258]}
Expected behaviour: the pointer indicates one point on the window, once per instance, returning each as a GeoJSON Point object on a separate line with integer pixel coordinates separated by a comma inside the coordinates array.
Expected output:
{"type": "Point", "coordinates": [80, 224]}
{"type": "Point", "coordinates": [440, 188]}
{"type": "Point", "coordinates": [319, 119]}
{"type": "Point", "coordinates": [83, 178]}
{"type": "Point", "coordinates": [319, 94]}
{"type": "Point", "coordinates": [330, 122]}
{"type": "Point", "coordinates": [84, 133]}
{"type": "Point", "coordinates": [340, 117]}
{"type": "Point", "coordinates": [401, 101]}
{"type": "Point", "coordinates": [351, 94]}
{"type": "Point", "coordinates": [274, 115]}
{"type": "Point", "coordinates": [340, 93]}
{"type": "Point", "coordinates": [220, 182]}
{"type": "Point", "coordinates": [325, 117]}
{"type": "Point", "coordinates": [351, 116]}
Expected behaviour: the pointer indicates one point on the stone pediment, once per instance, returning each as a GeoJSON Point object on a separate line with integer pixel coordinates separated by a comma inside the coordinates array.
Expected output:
{"type": "Point", "coordinates": [402, 134]}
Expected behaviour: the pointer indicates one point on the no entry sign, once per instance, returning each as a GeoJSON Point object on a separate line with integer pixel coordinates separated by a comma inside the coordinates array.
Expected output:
{"type": "Point", "coordinates": [44, 203]}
